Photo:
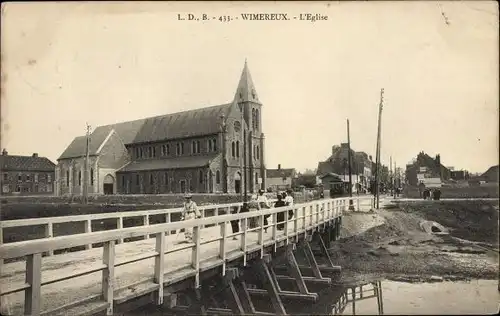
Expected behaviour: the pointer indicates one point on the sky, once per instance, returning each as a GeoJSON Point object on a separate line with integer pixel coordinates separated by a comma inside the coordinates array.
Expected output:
{"type": "Point", "coordinates": [68, 64]}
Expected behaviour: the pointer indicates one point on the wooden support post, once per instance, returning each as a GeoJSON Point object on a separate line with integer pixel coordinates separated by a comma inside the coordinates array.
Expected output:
{"type": "Point", "coordinates": [324, 250]}
{"type": "Point", "coordinates": [222, 246]}
{"type": "Point", "coordinates": [233, 299]}
{"type": "Point", "coordinates": [146, 223]}
{"type": "Point", "coordinates": [294, 270]}
{"type": "Point", "coordinates": [312, 261]}
{"type": "Point", "coordinates": [88, 229]}
{"type": "Point", "coordinates": [49, 233]}
{"type": "Point", "coordinates": [33, 295]}
{"type": "Point", "coordinates": [159, 265]}
{"type": "Point", "coordinates": [296, 224]}
{"type": "Point", "coordinates": [244, 296]}
{"type": "Point", "coordinates": [381, 300]}
{"type": "Point", "coordinates": [195, 255]}
{"type": "Point", "coordinates": [119, 225]}
{"type": "Point", "coordinates": [270, 286]}
{"type": "Point", "coordinates": [108, 274]}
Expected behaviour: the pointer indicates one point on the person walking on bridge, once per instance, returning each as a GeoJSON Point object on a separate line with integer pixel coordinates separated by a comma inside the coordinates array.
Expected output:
{"type": "Point", "coordinates": [189, 212]}
{"type": "Point", "coordinates": [289, 202]}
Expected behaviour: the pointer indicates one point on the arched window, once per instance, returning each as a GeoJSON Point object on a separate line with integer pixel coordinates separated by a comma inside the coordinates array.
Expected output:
{"type": "Point", "coordinates": [91, 176]}
{"type": "Point", "coordinates": [256, 178]}
{"type": "Point", "coordinates": [79, 178]}
{"type": "Point", "coordinates": [67, 178]}
{"type": "Point", "coordinates": [193, 147]}
{"type": "Point", "coordinates": [137, 179]}
{"type": "Point", "coordinates": [166, 179]}
{"type": "Point", "coordinates": [198, 149]}
{"type": "Point", "coordinates": [217, 177]}
{"type": "Point", "coordinates": [237, 148]}
{"type": "Point", "coordinates": [200, 176]}
{"type": "Point", "coordinates": [257, 152]}
{"type": "Point", "coordinates": [182, 148]}
{"type": "Point", "coordinates": [233, 149]}
{"type": "Point", "coordinates": [151, 179]}
{"type": "Point", "coordinates": [257, 119]}
{"type": "Point", "coordinates": [214, 145]}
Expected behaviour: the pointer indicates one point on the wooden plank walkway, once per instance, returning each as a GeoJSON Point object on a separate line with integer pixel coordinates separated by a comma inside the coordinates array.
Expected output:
{"type": "Point", "coordinates": [65, 292]}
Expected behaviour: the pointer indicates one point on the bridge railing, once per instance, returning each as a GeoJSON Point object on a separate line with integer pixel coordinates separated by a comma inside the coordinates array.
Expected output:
{"type": "Point", "coordinates": [307, 216]}
{"type": "Point", "coordinates": [119, 217]}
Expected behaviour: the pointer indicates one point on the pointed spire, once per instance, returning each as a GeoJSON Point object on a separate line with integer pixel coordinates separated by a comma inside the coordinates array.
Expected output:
{"type": "Point", "coordinates": [246, 89]}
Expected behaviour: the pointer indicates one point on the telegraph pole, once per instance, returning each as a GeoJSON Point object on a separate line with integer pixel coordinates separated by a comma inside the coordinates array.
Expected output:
{"type": "Point", "coordinates": [351, 207]}
{"type": "Point", "coordinates": [394, 180]}
{"type": "Point", "coordinates": [391, 174]}
{"type": "Point", "coordinates": [85, 166]}
{"type": "Point", "coordinates": [379, 130]}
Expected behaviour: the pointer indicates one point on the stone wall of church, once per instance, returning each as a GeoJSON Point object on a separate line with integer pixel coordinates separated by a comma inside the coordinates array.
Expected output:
{"type": "Point", "coordinates": [70, 176]}
{"type": "Point", "coordinates": [193, 180]}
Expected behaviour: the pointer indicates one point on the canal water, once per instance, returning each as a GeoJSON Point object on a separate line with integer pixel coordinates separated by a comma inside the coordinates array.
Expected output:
{"type": "Point", "coordinates": [442, 298]}
{"type": "Point", "coordinates": [402, 298]}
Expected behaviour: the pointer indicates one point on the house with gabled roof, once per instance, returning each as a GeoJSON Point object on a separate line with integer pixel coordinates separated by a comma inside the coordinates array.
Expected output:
{"type": "Point", "coordinates": [281, 178]}
{"type": "Point", "coordinates": [199, 151]}
{"type": "Point", "coordinates": [26, 175]}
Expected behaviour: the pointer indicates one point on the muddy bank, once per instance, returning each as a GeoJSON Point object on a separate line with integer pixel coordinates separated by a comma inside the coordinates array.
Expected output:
{"type": "Point", "coordinates": [394, 243]}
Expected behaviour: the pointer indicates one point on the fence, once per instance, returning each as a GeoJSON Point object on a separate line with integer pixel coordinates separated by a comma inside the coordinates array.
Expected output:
{"type": "Point", "coordinates": [308, 216]}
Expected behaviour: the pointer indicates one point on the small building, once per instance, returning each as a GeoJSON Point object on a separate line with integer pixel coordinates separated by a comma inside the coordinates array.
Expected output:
{"type": "Point", "coordinates": [26, 175]}
{"type": "Point", "coordinates": [280, 179]}
{"type": "Point", "coordinates": [331, 180]}
{"type": "Point", "coordinates": [425, 167]}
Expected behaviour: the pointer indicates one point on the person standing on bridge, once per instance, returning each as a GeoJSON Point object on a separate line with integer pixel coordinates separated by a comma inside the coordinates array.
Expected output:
{"type": "Point", "coordinates": [189, 212]}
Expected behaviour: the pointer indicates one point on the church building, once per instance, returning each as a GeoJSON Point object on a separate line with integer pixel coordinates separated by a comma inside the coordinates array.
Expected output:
{"type": "Point", "coordinates": [215, 149]}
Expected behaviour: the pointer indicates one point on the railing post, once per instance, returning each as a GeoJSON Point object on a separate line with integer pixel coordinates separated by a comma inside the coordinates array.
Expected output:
{"type": "Point", "coordinates": [88, 229]}
{"type": "Point", "coordinates": [296, 224]}
{"type": "Point", "coordinates": [216, 211]}
{"type": "Point", "coordinates": [317, 217]}
{"type": "Point", "coordinates": [286, 226]}
{"type": "Point", "coordinates": [146, 223]}
{"type": "Point", "coordinates": [357, 205]}
{"type": "Point", "coordinates": [168, 218]}
{"type": "Point", "coordinates": [244, 228]}
{"type": "Point", "coordinates": [49, 233]}
{"type": "Point", "coordinates": [311, 215]}
{"type": "Point", "coordinates": [108, 274]}
{"type": "Point", "coordinates": [159, 265]}
{"type": "Point", "coordinates": [222, 246]}
{"type": "Point", "coordinates": [275, 228]}
{"type": "Point", "coordinates": [261, 236]}
{"type": "Point", "coordinates": [119, 225]}
{"type": "Point", "coordinates": [195, 256]}
{"type": "Point", "coordinates": [303, 218]}
{"type": "Point", "coordinates": [33, 294]}
{"type": "Point", "coordinates": [203, 210]}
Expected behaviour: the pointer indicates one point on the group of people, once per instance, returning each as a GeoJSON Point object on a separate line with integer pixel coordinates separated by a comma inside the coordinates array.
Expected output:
{"type": "Point", "coordinates": [257, 202]}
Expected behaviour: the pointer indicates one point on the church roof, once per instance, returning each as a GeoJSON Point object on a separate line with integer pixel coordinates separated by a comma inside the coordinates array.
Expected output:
{"type": "Point", "coordinates": [246, 89]}
{"type": "Point", "coordinates": [184, 124]}
{"type": "Point", "coordinates": [169, 163]}
{"type": "Point", "coordinates": [127, 131]}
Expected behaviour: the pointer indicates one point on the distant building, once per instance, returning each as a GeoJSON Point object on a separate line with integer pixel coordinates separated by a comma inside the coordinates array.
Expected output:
{"type": "Point", "coordinates": [425, 167]}
{"type": "Point", "coordinates": [337, 163]}
{"type": "Point", "coordinates": [280, 179]}
{"type": "Point", "coordinates": [331, 180]}
{"type": "Point", "coordinates": [491, 175]}
{"type": "Point", "coordinates": [458, 175]}
{"type": "Point", "coordinates": [26, 175]}
{"type": "Point", "coordinates": [199, 151]}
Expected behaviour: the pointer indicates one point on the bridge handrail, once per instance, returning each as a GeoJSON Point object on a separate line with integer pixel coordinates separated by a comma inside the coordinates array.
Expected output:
{"type": "Point", "coordinates": [23, 248]}
{"type": "Point", "coordinates": [318, 212]}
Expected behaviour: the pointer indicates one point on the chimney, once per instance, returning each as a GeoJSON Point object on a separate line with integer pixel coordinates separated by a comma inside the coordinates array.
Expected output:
{"type": "Point", "coordinates": [279, 166]}
{"type": "Point", "coordinates": [4, 152]}
{"type": "Point", "coordinates": [35, 155]}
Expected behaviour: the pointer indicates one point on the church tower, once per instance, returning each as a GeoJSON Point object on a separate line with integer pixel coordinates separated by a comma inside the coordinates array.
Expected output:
{"type": "Point", "coordinates": [249, 103]}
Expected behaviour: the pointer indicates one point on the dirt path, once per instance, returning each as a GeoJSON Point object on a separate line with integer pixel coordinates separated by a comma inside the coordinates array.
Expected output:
{"type": "Point", "coordinates": [397, 242]}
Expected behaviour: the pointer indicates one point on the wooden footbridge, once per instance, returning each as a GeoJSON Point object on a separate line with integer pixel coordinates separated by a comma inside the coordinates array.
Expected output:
{"type": "Point", "coordinates": [120, 277]}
